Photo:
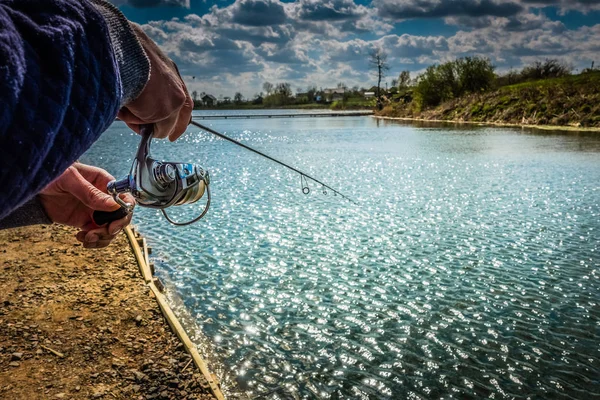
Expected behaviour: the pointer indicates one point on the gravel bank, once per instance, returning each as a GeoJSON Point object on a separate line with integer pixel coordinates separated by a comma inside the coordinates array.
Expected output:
{"type": "Point", "coordinates": [80, 324]}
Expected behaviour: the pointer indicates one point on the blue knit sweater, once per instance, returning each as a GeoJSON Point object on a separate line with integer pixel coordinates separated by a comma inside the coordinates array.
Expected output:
{"type": "Point", "coordinates": [66, 67]}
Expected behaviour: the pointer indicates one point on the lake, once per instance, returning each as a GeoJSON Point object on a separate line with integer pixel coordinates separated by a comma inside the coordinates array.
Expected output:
{"type": "Point", "coordinates": [470, 267]}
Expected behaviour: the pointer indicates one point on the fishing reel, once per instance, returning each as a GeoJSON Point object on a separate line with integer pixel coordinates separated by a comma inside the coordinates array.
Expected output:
{"type": "Point", "coordinates": [157, 184]}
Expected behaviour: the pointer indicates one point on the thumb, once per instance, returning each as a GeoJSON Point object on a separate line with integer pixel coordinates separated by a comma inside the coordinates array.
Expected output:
{"type": "Point", "coordinates": [87, 193]}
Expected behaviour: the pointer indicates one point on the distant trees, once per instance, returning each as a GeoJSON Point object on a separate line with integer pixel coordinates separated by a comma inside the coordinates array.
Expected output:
{"type": "Point", "coordinates": [258, 98]}
{"type": "Point", "coordinates": [279, 95]}
{"type": "Point", "coordinates": [311, 93]}
{"type": "Point", "coordinates": [195, 98]}
{"type": "Point", "coordinates": [453, 79]}
{"type": "Point", "coordinates": [284, 89]}
{"type": "Point", "coordinates": [379, 65]}
{"type": "Point", "coordinates": [550, 68]}
{"type": "Point", "coordinates": [403, 80]}
{"type": "Point", "coordinates": [547, 69]}
{"type": "Point", "coordinates": [268, 87]}
{"type": "Point", "coordinates": [238, 98]}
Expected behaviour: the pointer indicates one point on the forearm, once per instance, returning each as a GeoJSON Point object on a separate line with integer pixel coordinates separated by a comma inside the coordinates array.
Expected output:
{"type": "Point", "coordinates": [66, 67]}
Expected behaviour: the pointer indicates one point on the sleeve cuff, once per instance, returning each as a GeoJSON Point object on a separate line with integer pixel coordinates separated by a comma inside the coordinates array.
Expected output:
{"type": "Point", "coordinates": [30, 213]}
{"type": "Point", "coordinates": [134, 66]}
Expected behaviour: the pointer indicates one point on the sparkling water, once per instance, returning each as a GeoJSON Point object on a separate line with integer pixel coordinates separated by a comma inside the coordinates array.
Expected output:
{"type": "Point", "coordinates": [469, 269]}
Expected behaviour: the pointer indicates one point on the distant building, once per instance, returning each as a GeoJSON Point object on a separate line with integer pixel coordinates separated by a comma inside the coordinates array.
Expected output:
{"type": "Point", "coordinates": [209, 100]}
{"type": "Point", "coordinates": [334, 94]}
{"type": "Point", "coordinates": [369, 95]}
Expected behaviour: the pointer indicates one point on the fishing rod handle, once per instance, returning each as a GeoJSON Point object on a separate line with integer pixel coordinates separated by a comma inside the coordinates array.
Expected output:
{"type": "Point", "coordinates": [106, 217]}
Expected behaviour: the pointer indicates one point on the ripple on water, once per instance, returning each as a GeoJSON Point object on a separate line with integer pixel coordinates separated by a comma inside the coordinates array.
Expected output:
{"type": "Point", "coordinates": [470, 269]}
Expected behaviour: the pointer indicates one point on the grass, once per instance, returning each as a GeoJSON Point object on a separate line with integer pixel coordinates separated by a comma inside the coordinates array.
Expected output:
{"type": "Point", "coordinates": [569, 101]}
{"type": "Point", "coordinates": [581, 79]}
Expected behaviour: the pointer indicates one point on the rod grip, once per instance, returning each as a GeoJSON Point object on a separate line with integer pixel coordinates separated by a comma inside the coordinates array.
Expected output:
{"type": "Point", "coordinates": [105, 217]}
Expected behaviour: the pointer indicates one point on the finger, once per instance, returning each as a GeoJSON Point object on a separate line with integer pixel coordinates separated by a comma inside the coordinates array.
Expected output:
{"type": "Point", "coordinates": [134, 127]}
{"type": "Point", "coordinates": [163, 129]}
{"type": "Point", "coordinates": [87, 193]}
{"type": "Point", "coordinates": [123, 222]}
{"type": "Point", "coordinates": [95, 233]}
{"type": "Point", "coordinates": [96, 176]}
{"type": "Point", "coordinates": [128, 117]}
{"type": "Point", "coordinates": [97, 245]}
{"type": "Point", "coordinates": [98, 234]}
{"type": "Point", "coordinates": [183, 119]}
{"type": "Point", "coordinates": [117, 226]}
{"type": "Point", "coordinates": [80, 236]}
{"type": "Point", "coordinates": [130, 120]}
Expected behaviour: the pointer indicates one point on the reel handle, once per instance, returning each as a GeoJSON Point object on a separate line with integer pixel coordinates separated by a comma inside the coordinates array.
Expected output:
{"type": "Point", "coordinates": [105, 217]}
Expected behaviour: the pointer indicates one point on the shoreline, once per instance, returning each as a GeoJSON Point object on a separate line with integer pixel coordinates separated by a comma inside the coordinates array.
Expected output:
{"type": "Point", "coordinates": [78, 323]}
{"type": "Point", "coordinates": [495, 124]}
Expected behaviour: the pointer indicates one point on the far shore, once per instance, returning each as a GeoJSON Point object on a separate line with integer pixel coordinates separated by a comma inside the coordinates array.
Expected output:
{"type": "Point", "coordinates": [497, 124]}
{"type": "Point", "coordinates": [566, 128]}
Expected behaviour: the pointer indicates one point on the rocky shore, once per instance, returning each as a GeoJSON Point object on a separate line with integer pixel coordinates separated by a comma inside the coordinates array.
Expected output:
{"type": "Point", "coordinates": [81, 324]}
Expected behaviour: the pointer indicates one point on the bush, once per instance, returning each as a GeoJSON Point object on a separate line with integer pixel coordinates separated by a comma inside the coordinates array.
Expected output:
{"type": "Point", "coordinates": [545, 70]}
{"type": "Point", "coordinates": [443, 82]}
{"type": "Point", "coordinates": [475, 74]}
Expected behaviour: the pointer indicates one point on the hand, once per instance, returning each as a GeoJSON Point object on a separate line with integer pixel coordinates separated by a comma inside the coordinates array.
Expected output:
{"type": "Point", "coordinates": [164, 101]}
{"type": "Point", "coordinates": [73, 197]}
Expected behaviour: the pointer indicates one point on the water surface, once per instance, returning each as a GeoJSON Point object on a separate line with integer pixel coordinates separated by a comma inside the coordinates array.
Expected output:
{"type": "Point", "coordinates": [470, 269]}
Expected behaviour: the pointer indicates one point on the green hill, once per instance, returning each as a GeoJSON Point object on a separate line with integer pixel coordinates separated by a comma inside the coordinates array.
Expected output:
{"type": "Point", "coordinates": [569, 101]}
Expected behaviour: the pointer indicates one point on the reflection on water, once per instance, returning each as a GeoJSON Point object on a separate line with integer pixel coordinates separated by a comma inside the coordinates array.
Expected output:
{"type": "Point", "coordinates": [469, 270]}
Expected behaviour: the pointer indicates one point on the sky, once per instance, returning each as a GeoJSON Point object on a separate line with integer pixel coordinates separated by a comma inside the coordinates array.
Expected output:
{"type": "Point", "coordinates": [228, 46]}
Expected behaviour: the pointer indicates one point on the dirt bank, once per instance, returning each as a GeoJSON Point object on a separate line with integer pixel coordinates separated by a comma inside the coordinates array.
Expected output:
{"type": "Point", "coordinates": [81, 324]}
{"type": "Point", "coordinates": [437, 122]}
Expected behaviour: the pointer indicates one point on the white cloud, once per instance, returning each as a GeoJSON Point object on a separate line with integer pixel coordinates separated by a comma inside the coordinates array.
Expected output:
{"type": "Point", "coordinates": [152, 3]}
{"type": "Point", "coordinates": [321, 43]}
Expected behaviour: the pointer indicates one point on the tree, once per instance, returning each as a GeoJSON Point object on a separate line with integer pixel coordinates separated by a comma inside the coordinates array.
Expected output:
{"type": "Point", "coordinates": [475, 74]}
{"type": "Point", "coordinates": [284, 89]}
{"type": "Point", "coordinates": [238, 98]}
{"type": "Point", "coordinates": [379, 65]}
{"type": "Point", "coordinates": [195, 96]}
{"type": "Point", "coordinates": [443, 82]}
{"type": "Point", "coordinates": [403, 80]}
{"type": "Point", "coordinates": [311, 92]}
{"type": "Point", "coordinates": [280, 95]}
{"type": "Point", "coordinates": [268, 87]}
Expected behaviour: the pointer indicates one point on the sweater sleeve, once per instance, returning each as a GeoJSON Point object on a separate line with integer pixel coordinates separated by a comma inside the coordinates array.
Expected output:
{"type": "Point", "coordinates": [30, 213]}
{"type": "Point", "coordinates": [134, 66]}
{"type": "Point", "coordinates": [61, 85]}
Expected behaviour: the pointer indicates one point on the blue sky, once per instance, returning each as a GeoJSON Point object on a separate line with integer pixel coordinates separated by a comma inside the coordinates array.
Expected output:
{"type": "Point", "coordinates": [227, 46]}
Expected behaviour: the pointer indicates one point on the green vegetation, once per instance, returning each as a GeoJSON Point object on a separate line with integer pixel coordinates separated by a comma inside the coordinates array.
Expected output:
{"type": "Point", "coordinates": [281, 96]}
{"type": "Point", "coordinates": [453, 79]}
{"type": "Point", "coordinates": [467, 89]}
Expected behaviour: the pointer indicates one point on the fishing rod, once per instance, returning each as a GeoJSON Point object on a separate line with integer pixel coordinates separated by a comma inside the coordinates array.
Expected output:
{"type": "Point", "coordinates": [303, 175]}
{"type": "Point", "coordinates": [162, 184]}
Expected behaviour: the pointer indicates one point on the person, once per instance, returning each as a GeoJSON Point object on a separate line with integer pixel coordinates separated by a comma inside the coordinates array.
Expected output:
{"type": "Point", "coordinates": [67, 69]}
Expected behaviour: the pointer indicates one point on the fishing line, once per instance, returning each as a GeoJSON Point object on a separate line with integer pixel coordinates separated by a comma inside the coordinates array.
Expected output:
{"type": "Point", "coordinates": [303, 176]}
